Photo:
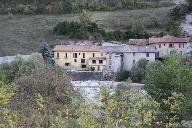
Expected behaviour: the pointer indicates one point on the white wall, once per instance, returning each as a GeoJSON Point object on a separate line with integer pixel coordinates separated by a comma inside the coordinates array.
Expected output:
{"type": "Point", "coordinates": [116, 62]}
{"type": "Point", "coordinates": [129, 58]}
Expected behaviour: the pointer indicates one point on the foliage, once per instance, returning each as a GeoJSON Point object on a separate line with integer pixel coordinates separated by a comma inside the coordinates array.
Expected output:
{"type": "Point", "coordinates": [43, 97]}
{"type": "Point", "coordinates": [76, 30]}
{"type": "Point", "coordinates": [127, 107]}
{"type": "Point", "coordinates": [20, 67]}
{"type": "Point", "coordinates": [138, 71]}
{"type": "Point", "coordinates": [177, 14]}
{"type": "Point", "coordinates": [85, 17]}
{"type": "Point", "coordinates": [87, 29]}
{"type": "Point", "coordinates": [5, 92]}
{"type": "Point", "coordinates": [10, 119]}
{"type": "Point", "coordinates": [46, 53]}
{"type": "Point", "coordinates": [69, 6]}
{"type": "Point", "coordinates": [122, 75]}
{"type": "Point", "coordinates": [168, 78]}
{"type": "Point", "coordinates": [173, 28]}
{"type": "Point", "coordinates": [189, 5]}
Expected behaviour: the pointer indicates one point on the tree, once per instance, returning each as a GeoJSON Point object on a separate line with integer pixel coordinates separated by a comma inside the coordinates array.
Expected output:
{"type": "Point", "coordinates": [20, 66]}
{"type": "Point", "coordinates": [189, 5]}
{"type": "Point", "coordinates": [67, 6]}
{"type": "Point", "coordinates": [5, 91]}
{"type": "Point", "coordinates": [122, 75]}
{"type": "Point", "coordinates": [46, 53]}
{"type": "Point", "coordinates": [163, 80]}
{"type": "Point", "coordinates": [8, 119]}
{"type": "Point", "coordinates": [39, 96]}
{"type": "Point", "coordinates": [137, 28]}
{"type": "Point", "coordinates": [127, 107]}
{"type": "Point", "coordinates": [138, 71]}
{"type": "Point", "coordinates": [85, 17]}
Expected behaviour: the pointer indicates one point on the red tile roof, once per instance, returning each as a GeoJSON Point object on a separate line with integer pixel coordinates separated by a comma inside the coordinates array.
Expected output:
{"type": "Point", "coordinates": [77, 48]}
{"type": "Point", "coordinates": [167, 39]}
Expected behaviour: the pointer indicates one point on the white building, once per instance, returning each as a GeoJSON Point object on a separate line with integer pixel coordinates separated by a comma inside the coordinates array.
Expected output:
{"type": "Point", "coordinates": [167, 44]}
{"type": "Point", "coordinates": [124, 57]}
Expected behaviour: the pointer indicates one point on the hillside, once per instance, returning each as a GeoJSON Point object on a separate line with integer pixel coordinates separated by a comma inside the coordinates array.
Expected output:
{"type": "Point", "coordinates": [70, 6]}
{"type": "Point", "coordinates": [22, 34]}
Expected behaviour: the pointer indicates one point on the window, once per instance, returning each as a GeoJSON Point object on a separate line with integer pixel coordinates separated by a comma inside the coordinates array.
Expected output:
{"type": "Point", "coordinates": [179, 45]}
{"type": "Point", "coordinates": [183, 45]}
{"type": "Point", "coordinates": [171, 45]}
{"type": "Point", "coordinates": [83, 55]}
{"type": "Point", "coordinates": [101, 54]}
{"type": "Point", "coordinates": [83, 66]}
{"type": "Point", "coordinates": [74, 55]}
{"type": "Point", "coordinates": [133, 61]}
{"type": "Point", "coordinates": [57, 55]}
{"type": "Point", "coordinates": [75, 60]}
{"type": "Point", "coordinates": [66, 55]}
{"type": "Point", "coordinates": [94, 61]}
{"type": "Point", "coordinates": [67, 64]}
{"type": "Point", "coordinates": [133, 54]}
{"type": "Point", "coordinates": [147, 54]}
{"type": "Point", "coordinates": [101, 61]}
{"type": "Point", "coordinates": [164, 44]}
{"type": "Point", "coordinates": [93, 54]}
{"type": "Point", "coordinates": [159, 45]}
{"type": "Point", "coordinates": [82, 60]}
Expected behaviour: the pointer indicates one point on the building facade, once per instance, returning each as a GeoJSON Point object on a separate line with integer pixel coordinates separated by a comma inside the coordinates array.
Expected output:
{"type": "Point", "coordinates": [80, 57]}
{"type": "Point", "coordinates": [114, 57]}
{"type": "Point", "coordinates": [124, 57]}
{"type": "Point", "coordinates": [167, 44]}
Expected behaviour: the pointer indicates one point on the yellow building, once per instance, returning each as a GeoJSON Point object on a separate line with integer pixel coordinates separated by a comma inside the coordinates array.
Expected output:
{"type": "Point", "coordinates": [80, 57]}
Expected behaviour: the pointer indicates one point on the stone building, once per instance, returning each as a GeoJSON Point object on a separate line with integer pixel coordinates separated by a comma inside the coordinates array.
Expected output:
{"type": "Point", "coordinates": [124, 57]}
{"type": "Point", "coordinates": [166, 44]}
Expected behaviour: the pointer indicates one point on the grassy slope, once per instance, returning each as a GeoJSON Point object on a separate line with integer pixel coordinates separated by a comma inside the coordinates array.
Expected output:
{"type": "Point", "coordinates": [22, 34]}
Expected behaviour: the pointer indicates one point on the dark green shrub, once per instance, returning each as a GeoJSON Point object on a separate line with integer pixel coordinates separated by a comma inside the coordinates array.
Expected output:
{"type": "Point", "coordinates": [122, 75]}
{"type": "Point", "coordinates": [138, 71]}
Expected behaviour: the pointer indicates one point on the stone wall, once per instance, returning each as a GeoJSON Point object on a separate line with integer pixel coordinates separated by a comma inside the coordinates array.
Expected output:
{"type": "Point", "coordinates": [89, 75]}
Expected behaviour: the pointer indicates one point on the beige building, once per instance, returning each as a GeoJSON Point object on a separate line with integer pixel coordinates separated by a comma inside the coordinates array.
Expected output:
{"type": "Point", "coordinates": [80, 57]}
{"type": "Point", "coordinates": [168, 43]}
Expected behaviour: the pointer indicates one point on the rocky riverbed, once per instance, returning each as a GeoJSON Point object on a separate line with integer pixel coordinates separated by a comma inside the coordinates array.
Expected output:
{"type": "Point", "coordinates": [186, 25]}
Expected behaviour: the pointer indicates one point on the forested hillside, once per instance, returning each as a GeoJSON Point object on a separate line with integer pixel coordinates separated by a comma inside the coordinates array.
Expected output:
{"type": "Point", "coordinates": [69, 6]}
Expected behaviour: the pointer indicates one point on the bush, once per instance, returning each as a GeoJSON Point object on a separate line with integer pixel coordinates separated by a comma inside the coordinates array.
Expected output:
{"type": "Point", "coordinates": [122, 75]}
{"type": "Point", "coordinates": [84, 31]}
{"type": "Point", "coordinates": [138, 71]}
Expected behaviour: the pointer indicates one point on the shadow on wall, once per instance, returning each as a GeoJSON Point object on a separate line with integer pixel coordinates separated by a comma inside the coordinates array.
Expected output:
{"type": "Point", "coordinates": [89, 75]}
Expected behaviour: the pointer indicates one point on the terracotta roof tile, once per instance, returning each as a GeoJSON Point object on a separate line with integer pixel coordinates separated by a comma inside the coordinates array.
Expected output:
{"type": "Point", "coordinates": [76, 48]}
{"type": "Point", "coordinates": [167, 39]}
